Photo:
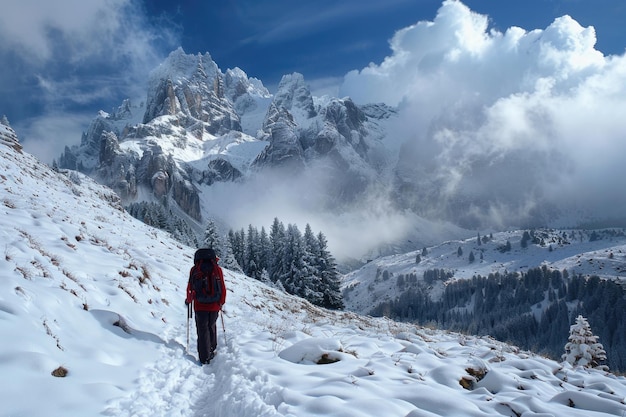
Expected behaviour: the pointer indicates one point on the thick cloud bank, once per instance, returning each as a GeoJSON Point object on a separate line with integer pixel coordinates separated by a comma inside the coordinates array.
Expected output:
{"type": "Point", "coordinates": [503, 127]}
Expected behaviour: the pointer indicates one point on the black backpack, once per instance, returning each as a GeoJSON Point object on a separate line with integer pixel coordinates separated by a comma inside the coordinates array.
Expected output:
{"type": "Point", "coordinates": [205, 281]}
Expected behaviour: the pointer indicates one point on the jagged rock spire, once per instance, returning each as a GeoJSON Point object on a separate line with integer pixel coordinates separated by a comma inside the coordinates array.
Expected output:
{"type": "Point", "coordinates": [191, 88]}
{"type": "Point", "coordinates": [294, 93]}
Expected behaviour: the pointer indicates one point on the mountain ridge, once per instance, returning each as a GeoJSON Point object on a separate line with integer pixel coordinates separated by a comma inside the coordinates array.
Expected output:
{"type": "Point", "coordinates": [202, 126]}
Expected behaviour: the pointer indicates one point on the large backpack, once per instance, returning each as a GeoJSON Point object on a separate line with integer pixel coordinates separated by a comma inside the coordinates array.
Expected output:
{"type": "Point", "coordinates": [205, 280]}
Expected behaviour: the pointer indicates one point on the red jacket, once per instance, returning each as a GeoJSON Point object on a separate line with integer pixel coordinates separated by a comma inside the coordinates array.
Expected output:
{"type": "Point", "coordinates": [207, 307]}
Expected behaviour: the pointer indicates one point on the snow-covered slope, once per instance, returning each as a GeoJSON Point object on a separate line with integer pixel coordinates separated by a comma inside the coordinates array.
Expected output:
{"type": "Point", "coordinates": [586, 252]}
{"type": "Point", "coordinates": [87, 288]}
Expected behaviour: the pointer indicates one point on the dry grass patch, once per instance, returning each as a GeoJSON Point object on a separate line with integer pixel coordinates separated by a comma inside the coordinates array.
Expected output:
{"type": "Point", "coordinates": [475, 375]}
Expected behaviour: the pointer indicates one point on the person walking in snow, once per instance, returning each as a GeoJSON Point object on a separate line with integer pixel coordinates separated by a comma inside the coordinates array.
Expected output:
{"type": "Point", "coordinates": [206, 290]}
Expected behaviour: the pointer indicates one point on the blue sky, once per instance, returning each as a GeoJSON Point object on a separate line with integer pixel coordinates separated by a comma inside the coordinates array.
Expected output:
{"type": "Point", "coordinates": [63, 62]}
{"type": "Point", "coordinates": [328, 38]}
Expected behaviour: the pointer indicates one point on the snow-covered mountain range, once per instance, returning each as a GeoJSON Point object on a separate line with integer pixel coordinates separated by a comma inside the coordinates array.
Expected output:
{"type": "Point", "coordinates": [200, 127]}
{"type": "Point", "coordinates": [93, 323]}
{"type": "Point", "coordinates": [207, 143]}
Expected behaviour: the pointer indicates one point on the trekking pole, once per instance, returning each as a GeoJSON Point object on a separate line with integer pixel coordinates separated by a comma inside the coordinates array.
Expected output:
{"type": "Point", "coordinates": [223, 327]}
{"type": "Point", "coordinates": [189, 313]}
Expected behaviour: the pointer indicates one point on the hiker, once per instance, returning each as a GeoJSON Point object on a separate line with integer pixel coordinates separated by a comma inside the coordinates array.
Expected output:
{"type": "Point", "coordinates": [207, 291]}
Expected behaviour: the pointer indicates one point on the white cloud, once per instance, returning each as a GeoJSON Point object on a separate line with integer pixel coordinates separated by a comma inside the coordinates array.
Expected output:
{"type": "Point", "coordinates": [75, 53]}
{"type": "Point", "coordinates": [328, 86]}
{"type": "Point", "coordinates": [31, 27]}
{"type": "Point", "coordinates": [45, 137]}
{"type": "Point", "coordinates": [515, 117]}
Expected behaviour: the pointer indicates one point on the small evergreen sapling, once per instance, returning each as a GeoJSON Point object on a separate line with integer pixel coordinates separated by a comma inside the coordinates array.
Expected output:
{"type": "Point", "coordinates": [583, 348]}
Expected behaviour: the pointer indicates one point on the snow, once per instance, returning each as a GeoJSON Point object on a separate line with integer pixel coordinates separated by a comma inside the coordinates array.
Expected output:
{"type": "Point", "coordinates": [86, 287]}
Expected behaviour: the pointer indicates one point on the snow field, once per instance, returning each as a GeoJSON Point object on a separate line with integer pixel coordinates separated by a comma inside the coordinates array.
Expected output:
{"type": "Point", "coordinates": [267, 366]}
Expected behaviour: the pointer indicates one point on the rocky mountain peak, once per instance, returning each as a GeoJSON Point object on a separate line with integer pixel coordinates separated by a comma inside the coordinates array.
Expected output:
{"type": "Point", "coordinates": [294, 95]}
{"type": "Point", "coordinates": [191, 88]}
{"type": "Point", "coordinates": [123, 112]}
{"type": "Point", "coordinates": [246, 94]}
{"type": "Point", "coordinates": [281, 131]}
{"type": "Point", "coordinates": [237, 83]}
{"type": "Point", "coordinates": [181, 67]}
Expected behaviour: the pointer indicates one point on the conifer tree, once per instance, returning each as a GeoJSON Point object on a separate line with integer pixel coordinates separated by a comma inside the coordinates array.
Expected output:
{"type": "Point", "coordinates": [212, 238]}
{"type": "Point", "coordinates": [228, 260]}
{"type": "Point", "coordinates": [310, 241]}
{"type": "Point", "coordinates": [292, 267]}
{"type": "Point", "coordinates": [277, 244]}
{"type": "Point", "coordinates": [331, 285]}
{"type": "Point", "coordinates": [253, 253]}
{"type": "Point", "coordinates": [265, 253]}
{"type": "Point", "coordinates": [237, 246]}
{"type": "Point", "coordinates": [297, 264]}
{"type": "Point", "coordinates": [310, 274]}
{"type": "Point", "coordinates": [583, 348]}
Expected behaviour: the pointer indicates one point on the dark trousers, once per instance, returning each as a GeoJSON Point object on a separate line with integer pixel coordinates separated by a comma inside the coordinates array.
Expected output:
{"type": "Point", "coordinates": [207, 333]}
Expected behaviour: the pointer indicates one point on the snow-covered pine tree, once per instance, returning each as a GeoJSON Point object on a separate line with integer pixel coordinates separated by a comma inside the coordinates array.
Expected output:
{"type": "Point", "coordinates": [583, 348]}
{"type": "Point", "coordinates": [301, 264]}
{"type": "Point", "coordinates": [212, 238]}
{"type": "Point", "coordinates": [310, 272]}
{"type": "Point", "coordinates": [265, 253]}
{"type": "Point", "coordinates": [228, 259]}
{"type": "Point", "coordinates": [310, 241]}
{"type": "Point", "coordinates": [236, 242]}
{"type": "Point", "coordinates": [277, 245]}
{"type": "Point", "coordinates": [291, 261]}
{"type": "Point", "coordinates": [327, 268]}
{"type": "Point", "coordinates": [253, 253]}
